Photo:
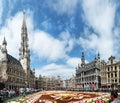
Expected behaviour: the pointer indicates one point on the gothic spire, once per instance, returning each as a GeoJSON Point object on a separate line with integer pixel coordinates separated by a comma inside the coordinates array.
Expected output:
{"type": "Point", "coordinates": [24, 50]}
{"type": "Point", "coordinates": [4, 41]}
{"type": "Point", "coordinates": [82, 54]}
{"type": "Point", "coordinates": [24, 28]}
{"type": "Point", "coordinates": [82, 59]}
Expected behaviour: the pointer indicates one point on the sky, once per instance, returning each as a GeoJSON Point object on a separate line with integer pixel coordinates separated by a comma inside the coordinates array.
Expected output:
{"type": "Point", "coordinates": [60, 30]}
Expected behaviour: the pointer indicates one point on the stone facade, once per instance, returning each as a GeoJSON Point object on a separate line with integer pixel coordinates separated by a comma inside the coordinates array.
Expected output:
{"type": "Point", "coordinates": [17, 73]}
{"type": "Point", "coordinates": [113, 73]}
{"type": "Point", "coordinates": [103, 74]}
{"type": "Point", "coordinates": [49, 83]}
{"type": "Point", "coordinates": [88, 74]}
{"type": "Point", "coordinates": [69, 84]}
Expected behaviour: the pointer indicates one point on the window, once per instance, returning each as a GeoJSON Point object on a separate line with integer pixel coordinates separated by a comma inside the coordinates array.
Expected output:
{"type": "Point", "coordinates": [112, 75]}
{"type": "Point", "coordinates": [115, 68]}
{"type": "Point", "coordinates": [82, 79]}
{"type": "Point", "coordinates": [80, 75]}
{"type": "Point", "coordinates": [115, 80]}
{"type": "Point", "coordinates": [11, 79]}
{"type": "Point", "coordinates": [115, 74]}
{"type": "Point", "coordinates": [112, 81]}
{"type": "Point", "coordinates": [111, 68]}
{"type": "Point", "coordinates": [108, 69]}
{"type": "Point", "coordinates": [10, 70]}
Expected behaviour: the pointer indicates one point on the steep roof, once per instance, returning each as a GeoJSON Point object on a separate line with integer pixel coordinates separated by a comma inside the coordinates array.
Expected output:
{"type": "Point", "coordinates": [13, 60]}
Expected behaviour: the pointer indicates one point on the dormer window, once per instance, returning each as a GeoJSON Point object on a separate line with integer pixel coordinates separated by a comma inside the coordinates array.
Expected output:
{"type": "Point", "coordinates": [111, 59]}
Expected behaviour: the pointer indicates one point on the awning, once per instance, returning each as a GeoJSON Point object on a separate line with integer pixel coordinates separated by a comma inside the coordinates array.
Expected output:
{"type": "Point", "coordinates": [109, 84]}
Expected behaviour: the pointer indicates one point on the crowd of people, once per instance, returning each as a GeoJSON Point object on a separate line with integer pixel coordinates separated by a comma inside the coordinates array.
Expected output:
{"type": "Point", "coordinates": [8, 94]}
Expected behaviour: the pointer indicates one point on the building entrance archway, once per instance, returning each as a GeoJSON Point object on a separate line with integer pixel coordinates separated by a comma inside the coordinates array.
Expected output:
{"type": "Point", "coordinates": [2, 85]}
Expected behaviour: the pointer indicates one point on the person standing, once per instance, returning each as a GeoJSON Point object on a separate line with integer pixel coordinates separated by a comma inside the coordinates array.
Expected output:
{"type": "Point", "coordinates": [1, 97]}
{"type": "Point", "coordinates": [114, 97]}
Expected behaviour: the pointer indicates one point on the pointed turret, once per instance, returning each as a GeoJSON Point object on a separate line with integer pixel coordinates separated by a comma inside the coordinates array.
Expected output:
{"type": "Point", "coordinates": [82, 59]}
{"type": "Point", "coordinates": [98, 55]}
{"type": "Point", "coordinates": [4, 42]}
{"type": "Point", "coordinates": [4, 45]}
{"type": "Point", "coordinates": [3, 60]}
{"type": "Point", "coordinates": [95, 58]}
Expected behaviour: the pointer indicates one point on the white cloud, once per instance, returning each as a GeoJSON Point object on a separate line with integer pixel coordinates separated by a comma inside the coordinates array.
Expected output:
{"type": "Point", "coordinates": [63, 6]}
{"type": "Point", "coordinates": [73, 62]}
{"type": "Point", "coordinates": [99, 16]}
{"type": "Point", "coordinates": [64, 70]}
{"type": "Point", "coordinates": [53, 49]}
{"type": "Point", "coordinates": [54, 70]}
{"type": "Point", "coordinates": [41, 43]}
{"type": "Point", "coordinates": [46, 46]}
{"type": "Point", "coordinates": [68, 40]}
{"type": "Point", "coordinates": [12, 32]}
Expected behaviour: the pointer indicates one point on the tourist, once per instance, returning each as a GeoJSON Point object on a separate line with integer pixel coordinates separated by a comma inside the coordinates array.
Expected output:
{"type": "Point", "coordinates": [1, 101]}
{"type": "Point", "coordinates": [1, 97]}
{"type": "Point", "coordinates": [114, 97]}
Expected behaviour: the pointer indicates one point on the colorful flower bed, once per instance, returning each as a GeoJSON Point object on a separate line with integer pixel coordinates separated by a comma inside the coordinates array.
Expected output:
{"type": "Point", "coordinates": [64, 97]}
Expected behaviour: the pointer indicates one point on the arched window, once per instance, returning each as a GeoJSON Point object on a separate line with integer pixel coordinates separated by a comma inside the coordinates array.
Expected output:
{"type": "Point", "coordinates": [112, 75]}
{"type": "Point", "coordinates": [115, 74]}
{"type": "Point", "coordinates": [115, 68]}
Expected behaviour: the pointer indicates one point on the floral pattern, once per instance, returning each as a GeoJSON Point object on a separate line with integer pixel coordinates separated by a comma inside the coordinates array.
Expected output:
{"type": "Point", "coordinates": [64, 97]}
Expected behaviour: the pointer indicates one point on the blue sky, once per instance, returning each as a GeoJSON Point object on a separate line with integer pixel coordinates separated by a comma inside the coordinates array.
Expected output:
{"type": "Point", "coordinates": [59, 30]}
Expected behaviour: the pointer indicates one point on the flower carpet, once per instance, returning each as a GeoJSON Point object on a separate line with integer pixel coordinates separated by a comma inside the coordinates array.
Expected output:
{"type": "Point", "coordinates": [64, 97]}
